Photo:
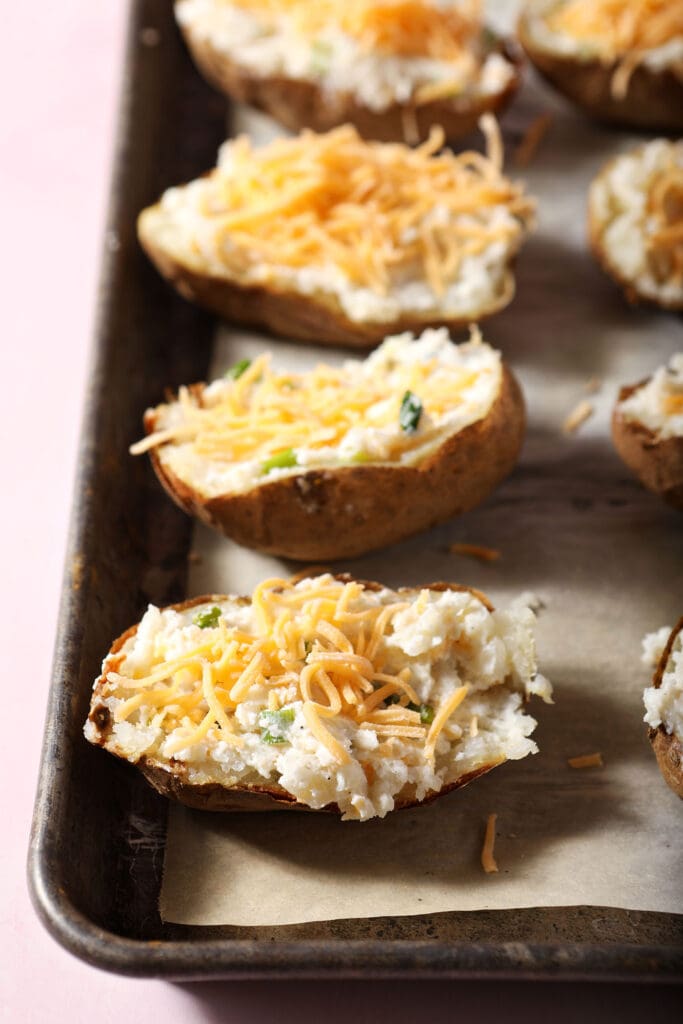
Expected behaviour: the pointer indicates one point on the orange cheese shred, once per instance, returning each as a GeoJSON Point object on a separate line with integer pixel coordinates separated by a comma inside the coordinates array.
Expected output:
{"type": "Point", "coordinates": [586, 761]}
{"type": "Point", "coordinates": [488, 861]}
{"type": "Point", "coordinates": [620, 31]}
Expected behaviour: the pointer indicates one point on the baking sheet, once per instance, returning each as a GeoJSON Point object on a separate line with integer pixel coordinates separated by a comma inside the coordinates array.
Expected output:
{"type": "Point", "coordinates": [572, 525]}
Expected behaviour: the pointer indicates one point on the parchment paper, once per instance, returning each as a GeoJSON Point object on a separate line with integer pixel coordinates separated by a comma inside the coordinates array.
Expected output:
{"type": "Point", "coordinates": [605, 557]}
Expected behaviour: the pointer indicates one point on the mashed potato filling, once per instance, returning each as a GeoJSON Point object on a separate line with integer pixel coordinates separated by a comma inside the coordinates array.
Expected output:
{"type": "Point", "coordinates": [382, 229]}
{"type": "Point", "coordinates": [335, 693]}
{"type": "Point", "coordinates": [257, 424]}
{"type": "Point", "coordinates": [380, 51]}
{"type": "Point", "coordinates": [638, 201]}
{"type": "Point", "coordinates": [621, 32]}
{"type": "Point", "coordinates": [664, 704]}
{"type": "Point", "coordinates": [658, 404]}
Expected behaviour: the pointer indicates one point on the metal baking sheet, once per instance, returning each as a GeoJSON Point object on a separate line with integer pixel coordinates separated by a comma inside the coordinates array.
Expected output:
{"type": "Point", "coordinates": [95, 864]}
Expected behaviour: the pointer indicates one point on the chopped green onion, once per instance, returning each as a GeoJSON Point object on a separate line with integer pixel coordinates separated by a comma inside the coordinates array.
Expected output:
{"type": "Point", "coordinates": [207, 619]}
{"type": "Point", "coordinates": [411, 410]}
{"type": "Point", "coordinates": [283, 460]}
{"type": "Point", "coordinates": [274, 724]}
{"type": "Point", "coordinates": [360, 457]}
{"type": "Point", "coordinates": [321, 55]}
{"type": "Point", "coordinates": [238, 369]}
{"type": "Point", "coordinates": [426, 712]}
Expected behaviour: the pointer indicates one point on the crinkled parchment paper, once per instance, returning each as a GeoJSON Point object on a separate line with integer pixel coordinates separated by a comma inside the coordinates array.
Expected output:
{"type": "Point", "coordinates": [573, 526]}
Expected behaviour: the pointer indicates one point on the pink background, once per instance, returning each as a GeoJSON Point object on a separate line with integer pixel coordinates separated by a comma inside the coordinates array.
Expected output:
{"type": "Point", "coordinates": [59, 82]}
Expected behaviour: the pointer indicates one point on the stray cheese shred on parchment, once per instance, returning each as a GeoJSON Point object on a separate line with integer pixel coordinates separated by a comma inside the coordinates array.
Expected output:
{"type": "Point", "coordinates": [621, 31]}
{"type": "Point", "coordinates": [373, 210]}
{"type": "Point", "coordinates": [303, 638]}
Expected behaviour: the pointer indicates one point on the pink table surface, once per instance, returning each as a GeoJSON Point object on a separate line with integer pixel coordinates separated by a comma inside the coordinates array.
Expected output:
{"type": "Point", "coordinates": [60, 78]}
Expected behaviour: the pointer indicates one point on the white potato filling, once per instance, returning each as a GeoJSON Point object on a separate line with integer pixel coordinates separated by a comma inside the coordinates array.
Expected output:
{"type": "Point", "coordinates": [658, 58]}
{"type": "Point", "coordinates": [334, 60]}
{"type": "Point", "coordinates": [362, 443]}
{"type": "Point", "coordinates": [182, 228]}
{"type": "Point", "coordinates": [664, 704]}
{"type": "Point", "coordinates": [658, 404]}
{"type": "Point", "coordinates": [445, 640]}
{"type": "Point", "coordinates": [618, 202]}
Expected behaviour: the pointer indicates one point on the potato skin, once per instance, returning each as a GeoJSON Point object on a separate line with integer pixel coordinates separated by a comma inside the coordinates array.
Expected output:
{"type": "Point", "coordinates": [653, 101]}
{"type": "Point", "coordinates": [658, 464]}
{"type": "Point", "coordinates": [328, 514]}
{"type": "Point", "coordinates": [172, 782]}
{"type": "Point", "coordinates": [318, 319]}
{"type": "Point", "coordinates": [667, 746]}
{"type": "Point", "coordinates": [629, 287]}
{"type": "Point", "coordinates": [298, 104]}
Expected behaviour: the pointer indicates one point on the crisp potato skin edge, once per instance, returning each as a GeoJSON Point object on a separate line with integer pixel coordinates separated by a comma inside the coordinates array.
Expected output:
{"type": "Point", "coordinates": [658, 464]}
{"type": "Point", "coordinates": [653, 102]}
{"type": "Point", "coordinates": [328, 514]}
{"type": "Point", "coordinates": [297, 104]}
{"type": "Point", "coordinates": [667, 747]}
{"type": "Point", "coordinates": [172, 782]}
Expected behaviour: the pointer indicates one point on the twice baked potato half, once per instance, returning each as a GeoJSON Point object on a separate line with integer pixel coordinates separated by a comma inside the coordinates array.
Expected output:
{"type": "Point", "coordinates": [335, 240]}
{"type": "Point", "coordinates": [338, 461]}
{"type": "Point", "coordinates": [392, 68]}
{"type": "Point", "coordinates": [635, 222]}
{"type": "Point", "coordinates": [322, 694]}
{"type": "Point", "coordinates": [647, 428]}
{"type": "Point", "coordinates": [664, 708]}
{"type": "Point", "coordinates": [621, 61]}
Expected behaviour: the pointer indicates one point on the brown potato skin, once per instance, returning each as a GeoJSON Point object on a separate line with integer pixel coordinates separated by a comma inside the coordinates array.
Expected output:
{"type": "Point", "coordinates": [667, 746]}
{"type": "Point", "coordinates": [172, 782]}
{"type": "Point", "coordinates": [328, 514]}
{"type": "Point", "coordinates": [297, 104]}
{"type": "Point", "coordinates": [658, 464]}
{"type": "Point", "coordinates": [629, 287]}
{"type": "Point", "coordinates": [318, 319]}
{"type": "Point", "coordinates": [653, 101]}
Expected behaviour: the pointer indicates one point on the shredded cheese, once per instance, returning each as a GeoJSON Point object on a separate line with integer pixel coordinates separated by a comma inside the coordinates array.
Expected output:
{"type": "Point", "coordinates": [483, 554]}
{"type": "Point", "coordinates": [265, 413]}
{"type": "Point", "coordinates": [373, 211]}
{"type": "Point", "coordinates": [620, 31]}
{"type": "Point", "coordinates": [532, 139]}
{"type": "Point", "coordinates": [304, 648]}
{"type": "Point", "coordinates": [586, 761]}
{"type": "Point", "coordinates": [488, 861]}
{"type": "Point", "coordinates": [578, 416]}
{"type": "Point", "coordinates": [404, 28]}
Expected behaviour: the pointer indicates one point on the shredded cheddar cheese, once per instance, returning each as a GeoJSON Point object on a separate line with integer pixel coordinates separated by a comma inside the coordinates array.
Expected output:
{"type": "Point", "coordinates": [488, 861]}
{"type": "Point", "coordinates": [303, 649]}
{"type": "Point", "coordinates": [374, 211]}
{"type": "Point", "coordinates": [265, 412]}
{"type": "Point", "coordinates": [526, 150]}
{"type": "Point", "coordinates": [404, 28]}
{"type": "Point", "coordinates": [586, 761]}
{"type": "Point", "coordinates": [482, 554]}
{"type": "Point", "coordinates": [578, 416]}
{"type": "Point", "coordinates": [620, 31]}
